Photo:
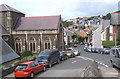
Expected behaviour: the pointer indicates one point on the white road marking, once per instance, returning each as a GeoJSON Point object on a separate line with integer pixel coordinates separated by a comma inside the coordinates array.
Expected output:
{"type": "Point", "coordinates": [85, 58]}
{"type": "Point", "coordinates": [102, 64]}
{"type": "Point", "coordinates": [74, 61]}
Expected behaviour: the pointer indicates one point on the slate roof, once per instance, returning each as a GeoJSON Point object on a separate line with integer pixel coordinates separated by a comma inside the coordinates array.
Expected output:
{"type": "Point", "coordinates": [37, 23]}
{"type": "Point", "coordinates": [115, 19]}
{"type": "Point", "coordinates": [3, 31]}
{"type": "Point", "coordinates": [4, 7]}
{"type": "Point", "coordinates": [8, 54]}
{"type": "Point", "coordinates": [105, 24]}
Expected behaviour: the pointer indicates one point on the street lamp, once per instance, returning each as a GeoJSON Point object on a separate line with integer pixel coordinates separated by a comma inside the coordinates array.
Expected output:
{"type": "Point", "coordinates": [40, 41]}
{"type": "Point", "coordinates": [26, 41]}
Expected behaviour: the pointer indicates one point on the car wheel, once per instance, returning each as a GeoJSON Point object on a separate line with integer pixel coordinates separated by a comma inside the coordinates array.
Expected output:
{"type": "Point", "coordinates": [112, 63]}
{"type": "Point", "coordinates": [50, 65]}
{"type": "Point", "coordinates": [58, 61]}
{"type": "Point", "coordinates": [67, 58]}
{"type": "Point", "coordinates": [16, 78]}
{"type": "Point", "coordinates": [62, 59]}
{"type": "Point", "coordinates": [32, 75]}
{"type": "Point", "coordinates": [44, 68]}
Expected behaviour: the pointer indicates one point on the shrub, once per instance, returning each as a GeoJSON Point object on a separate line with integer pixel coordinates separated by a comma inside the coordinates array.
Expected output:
{"type": "Point", "coordinates": [26, 53]}
{"type": "Point", "coordinates": [108, 44]}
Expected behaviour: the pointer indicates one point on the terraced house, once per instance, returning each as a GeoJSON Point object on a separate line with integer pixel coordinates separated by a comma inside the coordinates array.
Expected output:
{"type": "Point", "coordinates": [32, 33]}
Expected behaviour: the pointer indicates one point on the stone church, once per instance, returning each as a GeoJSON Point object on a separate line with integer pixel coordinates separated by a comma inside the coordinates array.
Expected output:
{"type": "Point", "coordinates": [31, 33]}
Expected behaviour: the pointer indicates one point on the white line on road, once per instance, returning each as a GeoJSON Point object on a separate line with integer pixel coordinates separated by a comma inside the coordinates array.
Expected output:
{"type": "Point", "coordinates": [74, 61]}
{"type": "Point", "coordinates": [85, 58]}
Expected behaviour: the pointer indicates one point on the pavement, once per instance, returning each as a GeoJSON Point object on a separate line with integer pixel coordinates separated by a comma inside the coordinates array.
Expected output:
{"type": "Point", "coordinates": [74, 67]}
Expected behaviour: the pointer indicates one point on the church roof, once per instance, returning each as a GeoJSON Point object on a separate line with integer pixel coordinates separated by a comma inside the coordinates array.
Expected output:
{"type": "Point", "coordinates": [37, 23]}
{"type": "Point", "coordinates": [4, 7]}
{"type": "Point", "coordinates": [3, 31]}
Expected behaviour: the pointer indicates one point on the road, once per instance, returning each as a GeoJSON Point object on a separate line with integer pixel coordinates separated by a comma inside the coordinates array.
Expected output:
{"type": "Point", "coordinates": [74, 67]}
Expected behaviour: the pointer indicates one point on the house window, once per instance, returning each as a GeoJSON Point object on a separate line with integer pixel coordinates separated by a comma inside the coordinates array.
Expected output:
{"type": "Point", "coordinates": [32, 44]}
{"type": "Point", "coordinates": [47, 43]}
{"type": "Point", "coordinates": [18, 45]}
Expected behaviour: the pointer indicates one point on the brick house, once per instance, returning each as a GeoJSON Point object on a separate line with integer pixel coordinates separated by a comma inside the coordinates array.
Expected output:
{"type": "Point", "coordinates": [115, 25]}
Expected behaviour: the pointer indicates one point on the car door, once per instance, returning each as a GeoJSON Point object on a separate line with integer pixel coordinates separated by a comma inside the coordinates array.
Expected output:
{"type": "Point", "coordinates": [38, 67]}
{"type": "Point", "coordinates": [32, 67]}
{"type": "Point", "coordinates": [117, 58]}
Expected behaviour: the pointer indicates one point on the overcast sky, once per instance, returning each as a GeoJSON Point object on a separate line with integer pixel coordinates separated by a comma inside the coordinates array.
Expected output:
{"type": "Point", "coordinates": [67, 8]}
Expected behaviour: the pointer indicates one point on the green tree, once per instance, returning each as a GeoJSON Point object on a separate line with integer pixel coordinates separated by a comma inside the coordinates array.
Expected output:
{"type": "Point", "coordinates": [74, 37]}
{"type": "Point", "coordinates": [118, 40]}
{"type": "Point", "coordinates": [108, 16]}
{"type": "Point", "coordinates": [108, 44]}
{"type": "Point", "coordinates": [26, 53]}
{"type": "Point", "coordinates": [66, 24]}
{"type": "Point", "coordinates": [80, 39]}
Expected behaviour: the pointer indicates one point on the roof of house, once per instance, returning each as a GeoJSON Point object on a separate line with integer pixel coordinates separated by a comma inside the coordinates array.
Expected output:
{"type": "Point", "coordinates": [69, 32]}
{"type": "Point", "coordinates": [37, 23]}
{"type": "Point", "coordinates": [3, 31]}
{"type": "Point", "coordinates": [82, 33]}
{"type": "Point", "coordinates": [105, 24]}
{"type": "Point", "coordinates": [4, 7]}
{"type": "Point", "coordinates": [115, 19]}
{"type": "Point", "coordinates": [8, 54]}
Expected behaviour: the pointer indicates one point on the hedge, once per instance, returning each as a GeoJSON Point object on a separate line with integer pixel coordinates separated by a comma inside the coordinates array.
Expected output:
{"type": "Point", "coordinates": [108, 44]}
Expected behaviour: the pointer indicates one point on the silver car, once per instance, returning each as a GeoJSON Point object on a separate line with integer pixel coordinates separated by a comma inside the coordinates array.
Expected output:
{"type": "Point", "coordinates": [115, 56]}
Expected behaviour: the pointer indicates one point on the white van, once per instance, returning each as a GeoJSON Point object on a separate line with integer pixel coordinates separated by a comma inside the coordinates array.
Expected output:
{"type": "Point", "coordinates": [115, 56]}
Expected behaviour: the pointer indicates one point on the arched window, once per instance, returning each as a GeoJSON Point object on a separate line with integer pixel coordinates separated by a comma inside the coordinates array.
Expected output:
{"type": "Point", "coordinates": [47, 43]}
{"type": "Point", "coordinates": [17, 45]}
{"type": "Point", "coordinates": [32, 44]}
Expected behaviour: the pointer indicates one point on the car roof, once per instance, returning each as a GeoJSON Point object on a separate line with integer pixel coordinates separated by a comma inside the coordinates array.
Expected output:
{"type": "Point", "coordinates": [28, 62]}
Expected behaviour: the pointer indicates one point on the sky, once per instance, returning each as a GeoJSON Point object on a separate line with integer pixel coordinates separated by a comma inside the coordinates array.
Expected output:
{"type": "Point", "coordinates": [68, 9]}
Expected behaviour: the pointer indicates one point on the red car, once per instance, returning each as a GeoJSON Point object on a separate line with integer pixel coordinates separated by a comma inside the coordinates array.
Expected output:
{"type": "Point", "coordinates": [28, 69]}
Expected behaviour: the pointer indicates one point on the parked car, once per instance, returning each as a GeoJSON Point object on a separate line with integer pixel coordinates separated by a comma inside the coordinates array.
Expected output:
{"type": "Point", "coordinates": [115, 56]}
{"type": "Point", "coordinates": [93, 50]}
{"type": "Point", "coordinates": [97, 50]}
{"type": "Point", "coordinates": [85, 48]}
{"type": "Point", "coordinates": [81, 43]}
{"type": "Point", "coordinates": [70, 48]}
{"type": "Point", "coordinates": [63, 55]}
{"type": "Point", "coordinates": [106, 51]}
{"type": "Point", "coordinates": [88, 50]}
{"type": "Point", "coordinates": [76, 52]}
{"type": "Point", "coordinates": [75, 45]}
{"type": "Point", "coordinates": [70, 53]}
{"type": "Point", "coordinates": [49, 57]}
{"type": "Point", "coordinates": [86, 44]}
{"type": "Point", "coordinates": [28, 69]}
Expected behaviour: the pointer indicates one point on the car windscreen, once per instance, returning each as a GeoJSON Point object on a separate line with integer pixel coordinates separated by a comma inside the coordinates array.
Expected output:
{"type": "Point", "coordinates": [44, 53]}
{"type": "Point", "coordinates": [75, 50]}
{"type": "Point", "coordinates": [68, 51]}
{"type": "Point", "coordinates": [22, 66]}
{"type": "Point", "coordinates": [61, 52]}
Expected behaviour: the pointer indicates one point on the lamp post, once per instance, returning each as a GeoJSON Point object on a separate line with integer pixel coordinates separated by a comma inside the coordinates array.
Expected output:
{"type": "Point", "coordinates": [26, 42]}
{"type": "Point", "coordinates": [115, 39]}
{"type": "Point", "coordinates": [40, 41]}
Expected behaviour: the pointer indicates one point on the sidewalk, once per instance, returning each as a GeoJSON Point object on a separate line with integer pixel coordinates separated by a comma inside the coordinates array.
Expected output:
{"type": "Point", "coordinates": [109, 72]}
